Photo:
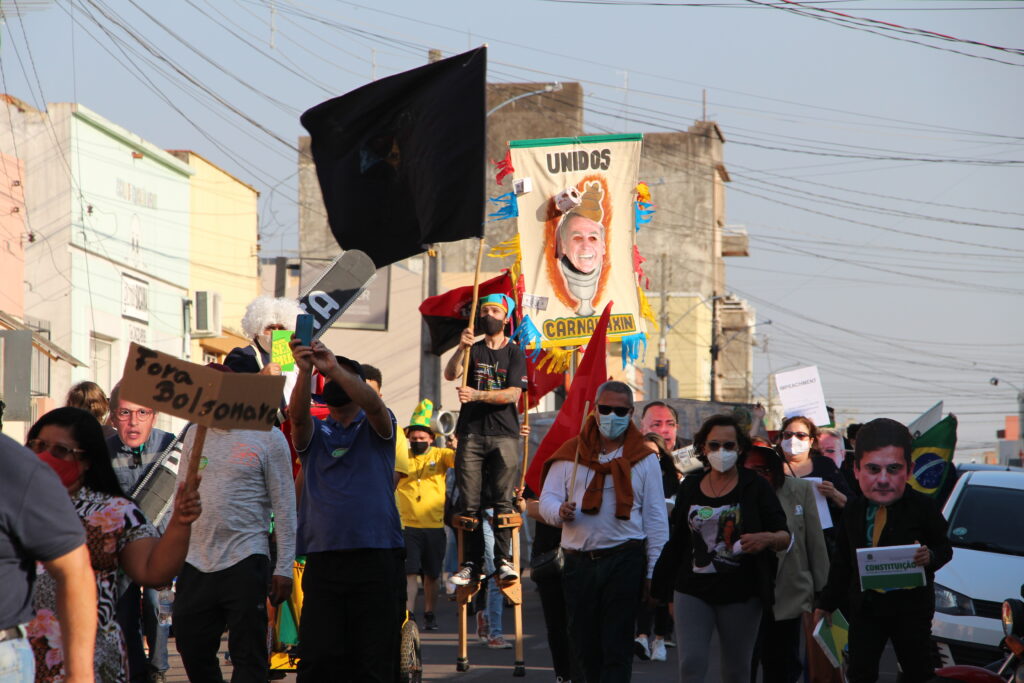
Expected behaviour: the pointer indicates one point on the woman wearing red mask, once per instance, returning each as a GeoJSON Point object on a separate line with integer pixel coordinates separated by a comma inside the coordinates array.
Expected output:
{"type": "Point", "coordinates": [118, 536]}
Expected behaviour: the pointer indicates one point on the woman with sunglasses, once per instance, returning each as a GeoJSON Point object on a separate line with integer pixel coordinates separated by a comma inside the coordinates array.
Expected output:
{"type": "Point", "coordinates": [798, 443]}
{"type": "Point", "coordinates": [803, 570]}
{"type": "Point", "coordinates": [719, 564]}
{"type": "Point", "coordinates": [70, 440]}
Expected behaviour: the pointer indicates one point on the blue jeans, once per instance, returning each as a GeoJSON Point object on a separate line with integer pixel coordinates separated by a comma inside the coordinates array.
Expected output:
{"type": "Point", "coordinates": [495, 600]}
{"type": "Point", "coordinates": [17, 665]}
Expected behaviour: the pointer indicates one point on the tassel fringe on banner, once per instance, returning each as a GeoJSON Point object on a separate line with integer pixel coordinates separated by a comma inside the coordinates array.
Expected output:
{"type": "Point", "coordinates": [508, 207]}
{"type": "Point", "coordinates": [643, 191]}
{"type": "Point", "coordinates": [643, 207]}
{"type": "Point", "coordinates": [638, 268]}
{"type": "Point", "coordinates": [504, 167]}
{"type": "Point", "coordinates": [555, 361]}
{"type": "Point", "coordinates": [631, 347]}
{"type": "Point", "coordinates": [645, 308]}
{"type": "Point", "coordinates": [510, 247]}
{"type": "Point", "coordinates": [527, 335]}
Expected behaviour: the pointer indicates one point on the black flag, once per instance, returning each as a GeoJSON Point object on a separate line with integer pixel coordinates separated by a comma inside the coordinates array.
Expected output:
{"type": "Point", "coordinates": [401, 160]}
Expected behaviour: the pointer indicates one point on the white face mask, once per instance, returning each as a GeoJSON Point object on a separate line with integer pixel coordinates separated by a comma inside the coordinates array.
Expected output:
{"type": "Point", "coordinates": [722, 460]}
{"type": "Point", "coordinates": [264, 340]}
{"type": "Point", "coordinates": [795, 446]}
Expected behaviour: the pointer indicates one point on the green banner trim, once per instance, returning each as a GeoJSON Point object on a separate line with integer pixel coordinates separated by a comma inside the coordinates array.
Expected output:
{"type": "Point", "coordinates": [891, 581]}
{"type": "Point", "coordinates": [583, 139]}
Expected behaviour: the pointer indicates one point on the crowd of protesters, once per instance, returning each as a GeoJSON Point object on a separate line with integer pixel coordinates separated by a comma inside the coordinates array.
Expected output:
{"type": "Point", "coordinates": [628, 556]}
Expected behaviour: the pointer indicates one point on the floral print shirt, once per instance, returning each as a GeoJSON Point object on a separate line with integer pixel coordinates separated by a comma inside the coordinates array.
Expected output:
{"type": "Point", "coordinates": [111, 523]}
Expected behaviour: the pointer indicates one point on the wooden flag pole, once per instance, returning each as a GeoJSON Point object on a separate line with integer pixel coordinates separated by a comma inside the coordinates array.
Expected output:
{"type": "Point", "coordinates": [472, 311]}
{"type": "Point", "coordinates": [576, 460]}
{"type": "Point", "coordinates": [193, 460]}
{"type": "Point", "coordinates": [526, 446]}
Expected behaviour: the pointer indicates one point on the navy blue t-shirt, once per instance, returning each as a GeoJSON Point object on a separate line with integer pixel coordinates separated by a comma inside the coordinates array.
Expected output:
{"type": "Point", "coordinates": [37, 523]}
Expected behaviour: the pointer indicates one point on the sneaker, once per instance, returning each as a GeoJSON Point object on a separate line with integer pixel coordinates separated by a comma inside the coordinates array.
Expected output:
{"type": "Point", "coordinates": [658, 653]}
{"type": "Point", "coordinates": [669, 642]}
{"type": "Point", "coordinates": [429, 621]}
{"type": "Point", "coordinates": [506, 573]}
{"type": "Point", "coordinates": [465, 576]}
{"type": "Point", "coordinates": [641, 649]}
{"type": "Point", "coordinates": [482, 627]}
{"type": "Point", "coordinates": [157, 677]}
{"type": "Point", "coordinates": [499, 643]}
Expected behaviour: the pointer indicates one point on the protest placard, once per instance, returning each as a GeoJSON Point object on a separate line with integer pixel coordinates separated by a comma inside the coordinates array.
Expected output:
{"type": "Point", "coordinates": [801, 394]}
{"type": "Point", "coordinates": [280, 351]}
{"type": "Point", "coordinates": [200, 394]}
{"type": "Point", "coordinates": [889, 567]}
{"type": "Point", "coordinates": [819, 499]}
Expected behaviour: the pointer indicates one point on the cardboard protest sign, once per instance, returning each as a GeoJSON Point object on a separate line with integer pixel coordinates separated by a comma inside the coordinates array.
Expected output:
{"type": "Point", "coordinates": [577, 234]}
{"type": "Point", "coordinates": [199, 394]}
{"type": "Point", "coordinates": [889, 567]}
{"type": "Point", "coordinates": [280, 351]}
{"type": "Point", "coordinates": [801, 394]}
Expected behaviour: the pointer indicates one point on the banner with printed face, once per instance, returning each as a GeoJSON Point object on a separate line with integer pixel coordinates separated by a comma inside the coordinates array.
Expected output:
{"type": "Point", "coordinates": [576, 233]}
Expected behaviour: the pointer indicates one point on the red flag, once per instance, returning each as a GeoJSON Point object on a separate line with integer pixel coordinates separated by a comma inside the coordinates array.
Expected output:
{"type": "Point", "coordinates": [447, 315]}
{"type": "Point", "coordinates": [591, 373]}
{"type": "Point", "coordinates": [540, 382]}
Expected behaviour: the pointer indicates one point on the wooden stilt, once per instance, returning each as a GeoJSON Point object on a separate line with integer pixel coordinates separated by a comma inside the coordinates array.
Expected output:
{"type": "Point", "coordinates": [463, 594]}
{"type": "Point", "coordinates": [513, 590]}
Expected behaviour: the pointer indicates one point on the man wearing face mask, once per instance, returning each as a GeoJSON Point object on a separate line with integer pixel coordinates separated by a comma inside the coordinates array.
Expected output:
{"type": "Point", "coordinates": [349, 528]}
{"type": "Point", "coordinates": [487, 458]}
{"type": "Point", "coordinates": [612, 546]}
{"type": "Point", "coordinates": [421, 497]}
{"type": "Point", "coordinates": [890, 513]}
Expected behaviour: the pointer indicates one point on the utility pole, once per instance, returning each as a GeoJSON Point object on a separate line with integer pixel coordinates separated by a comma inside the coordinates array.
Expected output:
{"type": "Point", "coordinates": [661, 366]}
{"type": "Point", "coordinates": [714, 347]}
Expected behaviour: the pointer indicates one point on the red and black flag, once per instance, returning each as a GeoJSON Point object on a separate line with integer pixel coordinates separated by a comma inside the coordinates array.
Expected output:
{"type": "Point", "coordinates": [447, 315]}
{"type": "Point", "coordinates": [401, 160]}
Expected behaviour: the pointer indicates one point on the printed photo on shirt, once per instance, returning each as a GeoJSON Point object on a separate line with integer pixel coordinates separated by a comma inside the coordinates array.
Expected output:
{"type": "Point", "coordinates": [716, 538]}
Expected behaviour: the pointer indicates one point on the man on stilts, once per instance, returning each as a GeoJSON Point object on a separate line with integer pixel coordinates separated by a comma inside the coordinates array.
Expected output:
{"type": "Point", "coordinates": [487, 458]}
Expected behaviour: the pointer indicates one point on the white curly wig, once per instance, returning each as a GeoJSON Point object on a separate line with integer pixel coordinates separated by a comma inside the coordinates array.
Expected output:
{"type": "Point", "coordinates": [266, 310]}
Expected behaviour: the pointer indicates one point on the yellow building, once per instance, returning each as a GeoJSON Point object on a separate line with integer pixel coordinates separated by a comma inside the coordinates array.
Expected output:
{"type": "Point", "coordinates": [223, 255]}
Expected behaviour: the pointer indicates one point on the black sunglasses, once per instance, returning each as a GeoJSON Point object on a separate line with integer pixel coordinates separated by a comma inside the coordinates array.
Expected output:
{"type": "Point", "coordinates": [618, 410]}
{"type": "Point", "coordinates": [712, 446]}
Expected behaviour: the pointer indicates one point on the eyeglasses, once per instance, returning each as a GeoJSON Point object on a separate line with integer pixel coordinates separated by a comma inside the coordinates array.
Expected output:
{"type": "Point", "coordinates": [712, 446]}
{"type": "Point", "coordinates": [802, 436]}
{"type": "Point", "coordinates": [141, 413]}
{"type": "Point", "coordinates": [618, 410]}
{"type": "Point", "coordinates": [56, 450]}
{"type": "Point", "coordinates": [760, 469]}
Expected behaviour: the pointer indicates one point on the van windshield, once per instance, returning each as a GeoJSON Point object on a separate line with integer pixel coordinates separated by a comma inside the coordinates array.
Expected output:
{"type": "Point", "coordinates": [989, 518]}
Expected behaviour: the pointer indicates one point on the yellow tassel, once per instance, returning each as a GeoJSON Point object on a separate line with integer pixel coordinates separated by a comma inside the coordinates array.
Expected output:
{"type": "Point", "coordinates": [555, 361]}
{"type": "Point", "coordinates": [509, 247]}
{"type": "Point", "coordinates": [645, 308]}
{"type": "Point", "coordinates": [643, 193]}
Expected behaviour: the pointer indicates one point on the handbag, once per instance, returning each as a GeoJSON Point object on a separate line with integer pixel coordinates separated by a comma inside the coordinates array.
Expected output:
{"type": "Point", "coordinates": [547, 566]}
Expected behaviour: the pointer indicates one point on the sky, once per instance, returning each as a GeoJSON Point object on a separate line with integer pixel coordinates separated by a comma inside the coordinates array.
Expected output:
{"type": "Point", "coordinates": [881, 181]}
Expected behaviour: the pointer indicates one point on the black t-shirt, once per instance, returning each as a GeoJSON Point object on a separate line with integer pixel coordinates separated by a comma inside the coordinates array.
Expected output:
{"type": "Point", "coordinates": [722, 574]}
{"type": "Point", "coordinates": [490, 370]}
{"type": "Point", "coordinates": [37, 523]}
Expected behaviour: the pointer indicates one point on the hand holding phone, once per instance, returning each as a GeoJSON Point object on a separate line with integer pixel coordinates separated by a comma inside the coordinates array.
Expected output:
{"type": "Point", "coordinates": [304, 328]}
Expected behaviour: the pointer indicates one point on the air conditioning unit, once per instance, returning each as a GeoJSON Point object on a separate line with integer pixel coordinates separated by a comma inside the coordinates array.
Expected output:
{"type": "Point", "coordinates": [207, 314]}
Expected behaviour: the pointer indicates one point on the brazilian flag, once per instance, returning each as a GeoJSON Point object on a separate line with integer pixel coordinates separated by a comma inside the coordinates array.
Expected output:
{"type": "Point", "coordinates": [932, 457]}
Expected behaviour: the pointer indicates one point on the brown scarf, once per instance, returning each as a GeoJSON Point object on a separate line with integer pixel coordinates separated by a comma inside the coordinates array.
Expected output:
{"type": "Point", "coordinates": [633, 451]}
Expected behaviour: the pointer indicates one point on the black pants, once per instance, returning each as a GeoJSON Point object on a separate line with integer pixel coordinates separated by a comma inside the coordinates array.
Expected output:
{"type": "Point", "coordinates": [206, 603]}
{"type": "Point", "coordinates": [601, 598]}
{"type": "Point", "coordinates": [778, 650]}
{"type": "Point", "coordinates": [658, 615]}
{"type": "Point", "coordinates": [552, 602]}
{"type": "Point", "coordinates": [487, 469]}
{"type": "Point", "coordinates": [350, 629]}
{"type": "Point", "coordinates": [911, 639]}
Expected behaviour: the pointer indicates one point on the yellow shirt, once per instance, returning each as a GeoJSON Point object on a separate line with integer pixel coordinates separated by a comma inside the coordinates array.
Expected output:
{"type": "Point", "coordinates": [421, 494]}
{"type": "Point", "coordinates": [401, 452]}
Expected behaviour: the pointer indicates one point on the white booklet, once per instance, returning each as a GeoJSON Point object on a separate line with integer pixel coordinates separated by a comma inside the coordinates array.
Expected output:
{"type": "Point", "coordinates": [889, 568]}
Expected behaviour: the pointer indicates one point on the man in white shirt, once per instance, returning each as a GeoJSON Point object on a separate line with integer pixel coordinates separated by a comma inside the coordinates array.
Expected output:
{"type": "Point", "coordinates": [612, 544]}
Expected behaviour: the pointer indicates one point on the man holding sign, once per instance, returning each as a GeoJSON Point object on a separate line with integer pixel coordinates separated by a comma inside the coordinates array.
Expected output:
{"type": "Point", "coordinates": [889, 514]}
{"type": "Point", "coordinates": [348, 523]}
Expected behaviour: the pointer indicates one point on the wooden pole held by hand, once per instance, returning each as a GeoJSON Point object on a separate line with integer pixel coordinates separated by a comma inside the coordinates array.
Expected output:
{"type": "Point", "coordinates": [472, 311]}
{"type": "Point", "coordinates": [526, 445]}
{"type": "Point", "coordinates": [576, 460]}
{"type": "Point", "coordinates": [194, 457]}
